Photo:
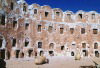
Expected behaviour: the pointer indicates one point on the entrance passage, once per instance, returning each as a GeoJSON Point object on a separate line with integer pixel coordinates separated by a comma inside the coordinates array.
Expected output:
{"type": "Point", "coordinates": [85, 53]}
{"type": "Point", "coordinates": [96, 54]}
{"type": "Point", "coordinates": [17, 53]}
{"type": "Point", "coordinates": [2, 53]}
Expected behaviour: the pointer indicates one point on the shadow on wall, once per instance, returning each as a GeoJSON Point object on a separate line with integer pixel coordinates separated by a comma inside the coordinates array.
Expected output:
{"type": "Point", "coordinates": [2, 63]}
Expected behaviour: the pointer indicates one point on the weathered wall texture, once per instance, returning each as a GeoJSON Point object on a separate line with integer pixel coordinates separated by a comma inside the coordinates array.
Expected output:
{"type": "Point", "coordinates": [30, 30]}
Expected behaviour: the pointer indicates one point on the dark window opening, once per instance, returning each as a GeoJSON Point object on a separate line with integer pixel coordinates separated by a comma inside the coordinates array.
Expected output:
{"type": "Point", "coordinates": [57, 13]}
{"type": "Point", "coordinates": [14, 24]}
{"type": "Point", "coordinates": [93, 16]}
{"type": "Point", "coordinates": [17, 53]}
{"type": "Point", "coordinates": [82, 30]}
{"type": "Point", "coordinates": [72, 53]}
{"type": "Point", "coordinates": [2, 53]}
{"type": "Point", "coordinates": [95, 31]}
{"type": "Point", "coordinates": [69, 16]}
{"type": "Point", "coordinates": [35, 11]}
{"type": "Point", "coordinates": [83, 45]}
{"type": "Point", "coordinates": [0, 18]}
{"type": "Point", "coordinates": [46, 14]}
{"type": "Point", "coordinates": [85, 53]}
{"type": "Point", "coordinates": [73, 44]}
{"type": "Point", "coordinates": [26, 43]}
{"type": "Point", "coordinates": [12, 5]}
{"type": "Point", "coordinates": [1, 42]}
{"type": "Point", "coordinates": [61, 30]}
{"type": "Point", "coordinates": [39, 44]}
{"type": "Point", "coordinates": [51, 53]}
{"type": "Point", "coordinates": [95, 45]}
{"type": "Point", "coordinates": [3, 20]}
{"type": "Point", "coordinates": [14, 42]}
{"type": "Point", "coordinates": [8, 55]}
{"type": "Point", "coordinates": [24, 7]}
{"type": "Point", "coordinates": [80, 15]}
{"type": "Point", "coordinates": [41, 53]}
{"type": "Point", "coordinates": [50, 29]}
{"type": "Point", "coordinates": [71, 30]}
{"type": "Point", "coordinates": [51, 46]}
{"type": "Point", "coordinates": [96, 53]}
{"type": "Point", "coordinates": [39, 28]}
{"type": "Point", "coordinates": [22, 55]}
{"type": "Point", "coordinates": [30, 53]}
{"type": "Point", "coordinates": [26, 25]}
{"type": "Point", "coordinates": [62, 47]}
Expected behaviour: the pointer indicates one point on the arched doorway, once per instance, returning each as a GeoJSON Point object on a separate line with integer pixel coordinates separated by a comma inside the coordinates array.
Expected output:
{"type": "Point", "coordinates": [85, 53]}
{"type": "Point", "coordinates": [95, 45]}
{"type": "Point", "coordinates": [72, 53]}
{"type": "Point", "coordinates": [17, 53]}
{"type": "Point", "coordinates": [30, 52]}
{"type": "Point", "coordinates": [41, 53]}
{"type": "Point", "coordinates": [96, 54]}
{"type": "Point", "coordinates": [51, 45]}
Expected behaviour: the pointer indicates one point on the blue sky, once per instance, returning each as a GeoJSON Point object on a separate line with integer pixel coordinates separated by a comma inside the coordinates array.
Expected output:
{"type": "Point", "coordinates": [73, 5]}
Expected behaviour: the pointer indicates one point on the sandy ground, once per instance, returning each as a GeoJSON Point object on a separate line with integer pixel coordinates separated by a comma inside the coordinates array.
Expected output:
{"type": "Point", "coordinates": [54, 62]}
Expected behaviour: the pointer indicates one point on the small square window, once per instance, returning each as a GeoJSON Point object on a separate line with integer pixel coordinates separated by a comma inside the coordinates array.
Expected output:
{"type": "Point", "coordinates": [26, 25]}
{"type": "Point", "coordinates": [71, 30]}
{"type": "Point", "coordinates": [82, 30]}
{"type": "Point", "coordinates": [12, 5]}
{"type": "Point", "coordinates": [46, 14]}
{"type": "Point", "coordinates": [51, 45]}
{"type": "Point", "coordinates": [62, 47]}
{"type": "Point", "coordinates": [35, 11]}
{"type": "Point", "coordinates": [93, 16]}
{"type": "Point", "coordinates": [72, 53]}
{"type": "Point", "coordinates": [1, 43]}
{"type": "Point", "coordinates": [39, 44]}
{"type": "Point", "coordinates": [14, 42]}
{"type": "Point", "coordinates": [26, 42]}
{"type": "Point", "coordinates": [14, 24]}
{"type": "Point", "coordinates": [50, 29]}
{"type": "Point", "coordinates": [73, 44]}
{"type": "Point", "coordinates": [61, 30]}
{"type": "Point", "coordinates": [95, 31]}
{"type": "Point", "coordinates": [80, 15]}
{"type": "Point", "coordinates": [69, 16]}
{"type": "Point", "coordinates": [57, 13]}
{"type": "Point", "coordinates": [39, 28]}
{"type": "Point", "coordinates": [83, 45]}
{"type": "Point", "coordinates": [24, 7]}
{"type": "Point", "coordinates": [95, 45]}
{"type": "Point", "coordinates": [3, 20]}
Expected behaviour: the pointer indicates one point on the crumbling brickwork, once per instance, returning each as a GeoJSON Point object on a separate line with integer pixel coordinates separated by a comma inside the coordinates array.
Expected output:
{"type": "Point", "coordinates": [32, 30]}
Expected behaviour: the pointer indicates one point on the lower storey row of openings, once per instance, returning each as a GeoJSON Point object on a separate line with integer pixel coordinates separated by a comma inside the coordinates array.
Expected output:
{"type": "Point", "coordinates": [72, 53]}
{"type": "Point", "coordinates": [19, 54]}
{"type": "Point", "coordinates": [85, 53]}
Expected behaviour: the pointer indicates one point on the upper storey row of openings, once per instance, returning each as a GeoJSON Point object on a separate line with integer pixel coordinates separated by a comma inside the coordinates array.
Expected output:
{"type": "Point", "coordinates": [47, 13]}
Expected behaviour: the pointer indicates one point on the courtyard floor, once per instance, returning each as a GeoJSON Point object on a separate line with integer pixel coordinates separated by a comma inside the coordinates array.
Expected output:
{"type": "Point", "coordinates": [54, 62]}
